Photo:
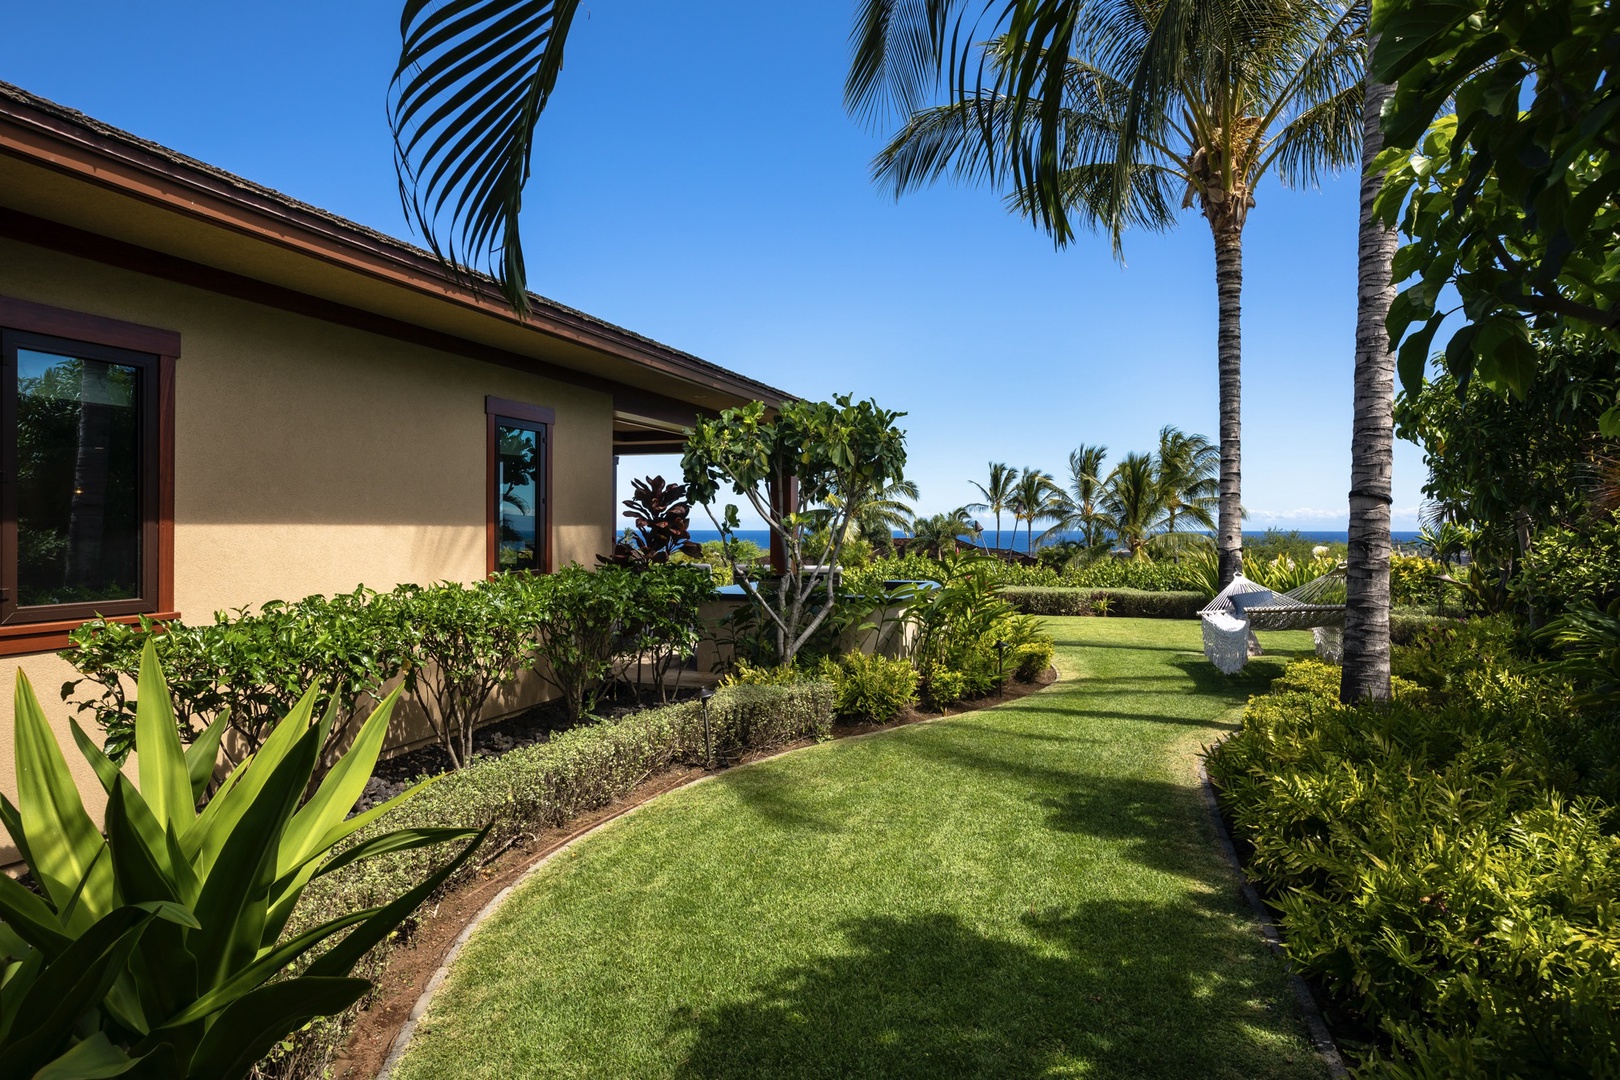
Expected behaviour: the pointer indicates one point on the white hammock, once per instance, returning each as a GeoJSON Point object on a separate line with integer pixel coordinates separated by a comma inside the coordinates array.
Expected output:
{"type": "Point", "coordinates": [1229, 624]}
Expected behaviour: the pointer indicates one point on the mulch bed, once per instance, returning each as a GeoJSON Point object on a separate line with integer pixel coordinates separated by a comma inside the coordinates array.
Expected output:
{"type": "Point", "coordinates": [412, 963]}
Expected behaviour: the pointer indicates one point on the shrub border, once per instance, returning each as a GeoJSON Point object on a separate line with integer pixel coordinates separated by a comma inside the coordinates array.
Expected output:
{"type": "Point", "coordinates": [1315, 1026]}
{"type": "Point", "coordinates": [402, 1038]}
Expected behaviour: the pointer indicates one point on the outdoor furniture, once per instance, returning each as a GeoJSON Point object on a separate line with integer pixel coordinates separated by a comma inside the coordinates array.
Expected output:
{"type": "Point", "coordinates": [1244, 606]}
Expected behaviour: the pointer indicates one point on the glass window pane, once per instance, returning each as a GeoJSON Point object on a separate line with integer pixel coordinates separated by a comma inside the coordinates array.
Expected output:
{"type": "Point", "coordinates": [517, 494]}
{"type": "Point", "coordinates": [78, 480]}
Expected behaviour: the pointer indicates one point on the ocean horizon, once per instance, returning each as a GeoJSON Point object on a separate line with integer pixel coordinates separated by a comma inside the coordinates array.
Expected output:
{"type": "Point", "coordinates": [762, 537]}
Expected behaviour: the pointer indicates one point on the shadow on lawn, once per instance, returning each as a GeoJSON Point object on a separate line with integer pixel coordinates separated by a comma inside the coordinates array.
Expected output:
{"type": "Point", "coordinates": [1112, 988]}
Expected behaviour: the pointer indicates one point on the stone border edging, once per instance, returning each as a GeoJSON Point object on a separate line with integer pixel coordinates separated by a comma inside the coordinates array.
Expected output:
{"type": "Point", "coordinates": [1321, 1038]}
{"type": "Point", "coordinates": [402, 1038]}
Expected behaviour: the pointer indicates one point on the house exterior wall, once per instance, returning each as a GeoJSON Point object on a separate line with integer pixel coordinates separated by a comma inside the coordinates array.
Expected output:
{"type": "Point", "coordinates": [312, 458]}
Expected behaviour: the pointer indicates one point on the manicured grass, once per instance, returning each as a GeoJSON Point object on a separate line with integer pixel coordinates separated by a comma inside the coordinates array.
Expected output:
{"type": "Point", "coordinates": [1029, 891]}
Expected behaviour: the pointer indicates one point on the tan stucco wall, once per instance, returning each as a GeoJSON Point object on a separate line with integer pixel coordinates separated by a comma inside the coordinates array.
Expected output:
{"type": "Point", "coordinates": [311, 458]}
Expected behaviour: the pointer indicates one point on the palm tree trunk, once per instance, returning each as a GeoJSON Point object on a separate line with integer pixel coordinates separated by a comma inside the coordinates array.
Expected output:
{"type": "Point", "coordinates": [998, 528]}
{"type": "Point", "coordinates": [1366, 613]}
{"type": "Point", "coordinates": [1229, 357]}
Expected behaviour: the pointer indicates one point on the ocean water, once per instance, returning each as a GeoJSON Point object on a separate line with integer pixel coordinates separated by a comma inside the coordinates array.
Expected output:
{"type": "Point", "coordinates": [762, 537]}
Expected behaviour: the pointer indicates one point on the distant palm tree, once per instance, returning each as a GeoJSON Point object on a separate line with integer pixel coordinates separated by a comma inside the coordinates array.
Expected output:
{"type": "Point", "coordinates": [1035, 498]}
{"type": "Point", "coordinates": [941, 531]}
{"type": "Point", "coordinates": [885, 512]}
{"type": "Point", "coordinates": [1133, 502]}
{"type": "Point", "coordinates": [998, 494]}
{"type": "Point", "coordinates": [1079, 507]}
{"type": "Point", "coordinates": [1188, 469]}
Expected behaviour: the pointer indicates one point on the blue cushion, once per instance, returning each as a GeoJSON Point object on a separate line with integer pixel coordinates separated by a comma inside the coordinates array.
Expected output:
{"type": "Point", "coordinates": [1242, 602]}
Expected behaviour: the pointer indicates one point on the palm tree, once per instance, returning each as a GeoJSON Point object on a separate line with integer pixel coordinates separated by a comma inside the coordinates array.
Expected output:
{"type": "Point", "coordinates": [1100, 108]}
{"type": "Point", "coordinates": [940, 531]}
{"type": "Point", "coordinates": [1034, 498]}
{"type": "Point", "coordinates": [887, 510]}
{"type": "Point", "coordinates": [997, 493]}
{"type": "Point", "coordinates": [1133, 501]}
{"type": "Point", "coordinates": [1367, 597]}
{"type": "Point", "coordinates": [1079, 507]}
{"type": "Point", "coordinates": [1188, 468]}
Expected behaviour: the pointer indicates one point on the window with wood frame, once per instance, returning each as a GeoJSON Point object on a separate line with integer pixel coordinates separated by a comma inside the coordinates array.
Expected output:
{"type": "Point", "coordinates": [519, 486]}
{"type": "Point", "coordinates": [86, 466]}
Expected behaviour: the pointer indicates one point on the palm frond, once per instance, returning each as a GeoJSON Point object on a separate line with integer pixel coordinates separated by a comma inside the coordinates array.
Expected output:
{"type": "Point", "coordinates": [472, 79]}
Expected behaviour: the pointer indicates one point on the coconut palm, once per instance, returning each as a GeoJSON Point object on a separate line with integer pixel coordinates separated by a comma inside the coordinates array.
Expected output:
{"type": "Point", "coordinates": [1079, 505]}
{"type": "Point", "coordinates": [1101, 108]}
{"type": "Point", "coordinates": [997, 493]}
{"type": "Point", "coordinates": [1036, 497]}
{"type": "Point", "coordinates": [1372, 441]}
{"type": "Point", "coordinates": [1132, 498]}
{"type": "Point", "coordinates": [886, 512]}
{"type": "Point", "coordinates": [941, 531]}
{"type": "Point", "coordinates": [1188, 469]}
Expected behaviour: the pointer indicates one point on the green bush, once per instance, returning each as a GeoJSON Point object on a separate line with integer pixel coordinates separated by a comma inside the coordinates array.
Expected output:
{"type": "Point", "coordinates": [944, 685]}
{"type": "Point", "coordinates": [1032, 659]}
{"type": "Point", "coordinates": [875, 688]}
{"type": "Point", "coordinates": [1137, 575]}
{"type": "Point", "coordinates": [1566, 568]}
{"type": "Point", "coordinates": [1441, 861]}
{"type": "Point", "coordinates": [465, 642]}
{"type": "Point", "coordinates": [1045, 600]}
{"type": "Point", "coordinates": [255, 666]}
{"type": "Point", "coordinates": [1127, 603]}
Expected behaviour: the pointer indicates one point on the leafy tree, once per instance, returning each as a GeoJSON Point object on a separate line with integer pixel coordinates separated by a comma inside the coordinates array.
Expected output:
{"type": "Point", "coordinates": [998, 493]}
{"type": "Point", "coordinates": [833, 455]}
{"type": "Point", "coordinates": [1036, 497]}
{"type": "Point", "coordinates": [1102, 109]}
{"type": "Point", "coordinates": [1134, 502]}
{"type": "Point", "coordinates": [1514, 207]}
{"type": "Point", "coordinates": [1078, 507]}
{"type": "Point", "coordinates": [1511, 466]}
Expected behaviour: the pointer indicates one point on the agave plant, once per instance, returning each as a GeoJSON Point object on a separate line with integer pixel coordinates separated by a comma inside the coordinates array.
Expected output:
{"type": "Point", "coordinates": [155, 946]}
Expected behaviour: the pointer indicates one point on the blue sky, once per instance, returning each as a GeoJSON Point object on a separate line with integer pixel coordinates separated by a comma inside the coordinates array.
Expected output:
{"type": "Point", "coordinates": [698, 181]}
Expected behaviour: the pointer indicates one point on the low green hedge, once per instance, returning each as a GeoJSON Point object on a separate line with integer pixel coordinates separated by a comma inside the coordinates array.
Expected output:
{"type": "Point", "coordinates": [546, 786]}
{"type": "Point", "coordinates": [1126, 603]}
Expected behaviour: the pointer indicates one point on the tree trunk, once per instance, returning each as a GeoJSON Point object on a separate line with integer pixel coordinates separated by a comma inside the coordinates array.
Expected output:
{"type": "Point", "coordinates": [1366, 613]}
{"type": "Point", "coordinates": [1229, 357]}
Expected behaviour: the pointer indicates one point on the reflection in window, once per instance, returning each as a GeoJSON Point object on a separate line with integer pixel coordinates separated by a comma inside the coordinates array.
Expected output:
{"type": "Point", "coordinates": [78, 469]}
{"type": "Point", "coordinates": [519, 513]}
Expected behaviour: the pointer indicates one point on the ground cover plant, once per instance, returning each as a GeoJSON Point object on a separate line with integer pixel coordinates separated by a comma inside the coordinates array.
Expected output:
{"type": "Point", "coordinates": [1445, 863]}
{"type": "Point", "coordinates": [1026, 890]}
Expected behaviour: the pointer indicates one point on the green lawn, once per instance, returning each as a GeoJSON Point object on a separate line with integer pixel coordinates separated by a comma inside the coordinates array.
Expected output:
{"type": "Point", "coordinates": [1032, 890]}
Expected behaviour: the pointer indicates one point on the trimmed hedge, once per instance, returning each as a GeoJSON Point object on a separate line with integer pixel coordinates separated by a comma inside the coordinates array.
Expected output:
{"type": "Point", "coordinates": [546, 786]}
{"type": "Point", "coordinates": [1126, 603]}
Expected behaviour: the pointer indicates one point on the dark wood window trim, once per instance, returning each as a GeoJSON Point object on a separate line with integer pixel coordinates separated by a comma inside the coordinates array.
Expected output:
{"type": "Point", "coordinates": [521, 414]}
{"type": "Point", "coordinates": [45, 628]}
